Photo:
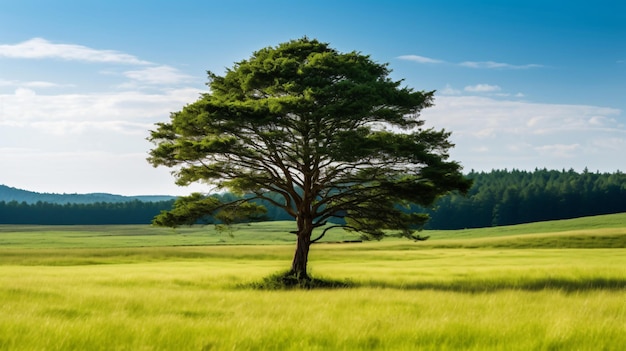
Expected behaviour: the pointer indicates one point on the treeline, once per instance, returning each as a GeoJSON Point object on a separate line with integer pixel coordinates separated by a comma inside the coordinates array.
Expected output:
{"type": "Point", "coordinates": [9, 194]}
{"type": "Point", "coordinates": [505, 197]}
{"type": "Point", "coordinates": [130, 212]}
{"type": "Point", "coordinates": [499, 197]}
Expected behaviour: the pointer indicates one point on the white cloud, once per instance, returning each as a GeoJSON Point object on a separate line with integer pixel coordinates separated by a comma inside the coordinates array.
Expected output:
{"type": "Point", "coordinates": [68, 127]}
{"type": "Point", "coordinates": [73, 113]}
{"type": "Point", "coordinates": [31, 84]}
{"type": "Point", "coordinates": [482, 88]}
{"type": "Point", "coordinates": [481, 149]}
{"type": "Point", "coordinates": [449, 90]}
{"type": "Point", "coordinates": [496, 65]}
{"type": "Point", "coordinates": [559, 150]}
{"type": "Point", "coordinates": [492, 133]}
{"type": "Point", "coordinates": [42, 84]}
{"type": "Point", "coordinates": [470, 64]}
{"type": "Point", "coordinates": [86, 172]}
{"type": "Point", "coordinates": [87, 139]}
{"type": "Point", "coordinates": [7, 83]}
{"type": "Point", "coordinates": [484, 133]}
{"type": "Point", "coordinates": [24, 93]}
{"type": "Point", "coordinates": [38, 48]}
{"type": "Point", "coordinates": [158, 75]}
{"type": "Point", "coordinates": [419, 59]}
{"type": "Point", "coordinates": [612, 143]}
{"type": "Point", "coordinates": [471, 113]}
{"type": "Point", "coordinates": [86, 142]}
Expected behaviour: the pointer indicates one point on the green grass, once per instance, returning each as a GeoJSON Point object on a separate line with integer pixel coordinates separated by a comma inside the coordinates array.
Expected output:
{"type": "Point", "coordinates": [129, 288]}
{"type": "Point", "coordinates": [597, 231]}
{"type": "Point", "coordinates": [617, 221]}
{"type": "Point", "coordinates": [140, 236]}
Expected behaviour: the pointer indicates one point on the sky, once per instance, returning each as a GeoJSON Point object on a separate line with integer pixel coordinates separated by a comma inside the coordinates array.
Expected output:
{"type": "Point", "coordinates": [520, 84]}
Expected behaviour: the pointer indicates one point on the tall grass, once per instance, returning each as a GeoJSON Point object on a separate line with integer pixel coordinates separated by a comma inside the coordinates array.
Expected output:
{"type": "Point", "coordinates": [400, 300]}
{"type": "Point", "coordinates": [478, 293]}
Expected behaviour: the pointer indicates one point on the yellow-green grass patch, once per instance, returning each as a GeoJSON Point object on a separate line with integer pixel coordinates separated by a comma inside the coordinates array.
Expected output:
{"type": "Point", "coordinates": [438, 299]}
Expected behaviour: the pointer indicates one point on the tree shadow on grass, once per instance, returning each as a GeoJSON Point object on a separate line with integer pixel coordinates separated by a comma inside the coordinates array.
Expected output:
{"type": "Point", "coordinates": [531, 284]}
{"type": "Point", "coordinates": [287, 281]}
{"type": "Point", "coordinates": [284, 281]}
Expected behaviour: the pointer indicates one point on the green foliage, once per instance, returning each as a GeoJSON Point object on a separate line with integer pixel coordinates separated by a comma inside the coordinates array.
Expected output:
{"type": "Point", "coordinates": [329, 133]}
{"type": "Point", "coordinates": [210, 209]}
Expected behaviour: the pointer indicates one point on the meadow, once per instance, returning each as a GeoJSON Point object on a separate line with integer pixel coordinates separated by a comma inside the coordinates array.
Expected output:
{"type": "Point", "coordinates": [542, 286]}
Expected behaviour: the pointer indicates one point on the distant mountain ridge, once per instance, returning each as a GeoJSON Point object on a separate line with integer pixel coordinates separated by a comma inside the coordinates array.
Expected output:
{"type": "Point", "coordinates": [8, 194]}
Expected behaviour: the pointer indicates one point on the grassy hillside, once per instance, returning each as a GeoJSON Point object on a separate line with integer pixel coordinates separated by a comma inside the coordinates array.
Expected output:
{"type": "Point", "coordinates": [565, 225]}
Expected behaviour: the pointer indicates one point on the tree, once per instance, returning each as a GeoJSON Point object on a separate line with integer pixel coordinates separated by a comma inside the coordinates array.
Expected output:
{"type": "Point", "coordinates": [328, 132]}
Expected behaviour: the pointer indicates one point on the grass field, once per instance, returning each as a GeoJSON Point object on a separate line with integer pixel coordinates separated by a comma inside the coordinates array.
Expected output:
{"type": "Point", "coordinates": [543, 286]}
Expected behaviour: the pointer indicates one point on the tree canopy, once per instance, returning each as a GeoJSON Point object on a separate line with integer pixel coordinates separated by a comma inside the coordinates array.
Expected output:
{"type": "Point", "coordinates": [329, 132]}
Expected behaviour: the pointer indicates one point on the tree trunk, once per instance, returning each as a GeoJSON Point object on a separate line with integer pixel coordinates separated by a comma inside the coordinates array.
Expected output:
{"type": "Point", "coordinates": [301, 257]}
{"type": "Point", "coordinates": [304, 222]}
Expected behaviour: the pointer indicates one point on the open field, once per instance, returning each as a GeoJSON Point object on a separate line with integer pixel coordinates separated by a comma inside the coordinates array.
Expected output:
{"type": "Point", "coordinates": [581, 232]}
{"type": "Point", "coordinates": [544, 286]}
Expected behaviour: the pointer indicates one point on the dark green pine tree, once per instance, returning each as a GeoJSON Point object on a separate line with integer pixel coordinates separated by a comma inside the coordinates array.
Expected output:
{"type": "Point", "coordinates": [329, 132]}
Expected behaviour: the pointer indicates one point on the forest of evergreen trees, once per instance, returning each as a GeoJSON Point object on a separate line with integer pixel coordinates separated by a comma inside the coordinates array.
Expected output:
{"type": "Point", "coordinates": [130, 212]}
{"type": "Point", "coordinates": [497, 198]}
{"type": "Point", "coordinates": [512, 197]}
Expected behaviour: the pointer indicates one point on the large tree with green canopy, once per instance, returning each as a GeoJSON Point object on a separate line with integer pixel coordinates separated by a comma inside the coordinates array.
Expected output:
{"type": "Point", "coordinates": [325, 135]}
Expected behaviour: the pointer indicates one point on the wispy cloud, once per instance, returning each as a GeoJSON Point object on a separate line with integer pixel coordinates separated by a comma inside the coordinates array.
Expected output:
{"type": "Point", "coordinates": [469, 64]}
{"type": "Point", "coordinates": [450, 90]}
{"type": "Point", "coordinates": [31, 84]}
{"type": "Point", "coordinates": [482, 88]}
{"type": "Point", "coordinates": [39, 48]}
{"type": "Point", "coordinates": [419, 59]}
{"type": "Point", "coordinates": [496, 65]}
{"type": "Point", "coordinates": [559, 150]}
{"type": "Point", "coordinates": [6, 83]}
{"type": "Point", "coordinates": [42, 84]}
{"type": "Point", "coordinates": [158, 75]}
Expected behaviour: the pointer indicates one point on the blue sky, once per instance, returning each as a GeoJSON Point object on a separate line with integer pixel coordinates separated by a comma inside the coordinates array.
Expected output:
{"type": "Point", "coordinates": [521, 84]}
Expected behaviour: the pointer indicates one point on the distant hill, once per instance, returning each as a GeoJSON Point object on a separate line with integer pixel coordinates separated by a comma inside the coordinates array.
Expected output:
{"type": "Point", "coordinates": [8, 194]}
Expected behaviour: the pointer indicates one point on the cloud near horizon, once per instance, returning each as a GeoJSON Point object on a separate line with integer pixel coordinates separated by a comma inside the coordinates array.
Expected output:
{"type": "Point", "coordinates": [94, 138]}
{"type": "Point", "coordinates": [494, 133]}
